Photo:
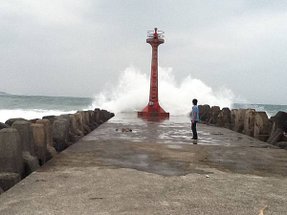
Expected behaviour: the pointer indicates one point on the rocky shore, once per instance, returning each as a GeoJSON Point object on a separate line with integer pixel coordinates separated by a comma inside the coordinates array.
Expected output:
{"type": "Point", "coordinates": [250, 122]}
{"type": "Point", "coordinates": [25, 145]}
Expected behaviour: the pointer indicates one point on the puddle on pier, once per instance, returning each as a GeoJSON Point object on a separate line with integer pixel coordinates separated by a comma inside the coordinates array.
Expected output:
{"type": "Point", "coordinates": [153, 164]}
{"type": "Point", "coordinates": [176, 130]}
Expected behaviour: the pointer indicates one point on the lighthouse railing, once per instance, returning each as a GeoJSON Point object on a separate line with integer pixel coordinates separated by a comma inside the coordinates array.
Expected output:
{"type": "Point", "coordinates": [160, 34]}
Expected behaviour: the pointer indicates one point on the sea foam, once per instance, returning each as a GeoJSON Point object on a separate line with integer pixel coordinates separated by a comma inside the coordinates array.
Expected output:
{"type": "Point", "coordinates": [29, 113]}
{"type": "Point", "coordinates": [132, 90]}
{"type": "Point", "coordinates": [129, 94]}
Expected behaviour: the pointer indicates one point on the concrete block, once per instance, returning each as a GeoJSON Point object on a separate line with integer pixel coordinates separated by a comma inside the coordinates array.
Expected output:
{"type": "Point", "coordinates": [280, 121]}
{"type": "Point", "coordinates": [204, 113]}
{"type": "Point", "coordinates": [85, 122]}
{"type": "Point", "coordinates": [51, 152]}
{"type": "Point", "coordinates": [60, 133]}
{"type": "Point", "coordinates": [88, 121]}
{"type": "Point", "coordinates": [93, 124]}
{"type": "Point", "coordinates": [74, 127]}
{"type": "Point", "coordinates": [239, 117]}
{"type": "Point", "coordinates": [233, 113]}
{"type": "Point", "coordinates": [75, 133]}
{"type": "Point", "coordinates": [275, 136]}
{"type": "Point", "coordinates": [279, 126]}
{"type": "Point", "coordinates": [8, 180]}
{"type": "Point", "coordinates": [224, 118]}
{"type": "Point", "coordinates": [91, 116]}
{"type": "Point", "coordinates": [12, 120]}
{"type": "Point", "coordinates": [40, 141]}
{"type": "Point", "coordinates": [97, 116]}
{"type": "Point", "coordinates": [83, 116]}
{"type": "Point", "coordinates": [3, 125]}
{"type": "Point", "coordinates": [249, 121]}
{"type": "Point", "coordinates": [214, 111]}
{"type": "Point", "coordinates": [262, 126]}
{"type": "Point", "coordinates": [86, 129]}
{"type": "Point", "coordinates": [10, 151]}
{"type": "Point", "coordinates": [79, 121]}
{"type": "Point", "coordinates": [26, 136]}
{"type": "Point", "coordinates": [51, 118]}
{"type": "Point", "coordinates": [33, 120]}
{"type": "Point", "coordinates": [31, 163]}
{"type": "Point", "coordinates": [48, 130]}
{"type": "Point", "coordinates": [282, 144]}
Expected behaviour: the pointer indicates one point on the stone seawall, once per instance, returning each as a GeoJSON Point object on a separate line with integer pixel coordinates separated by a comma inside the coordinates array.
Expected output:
{"type": "Point", "coordinates": [250, 122]}
{"type": "Point", "coordinates": [25, 145]}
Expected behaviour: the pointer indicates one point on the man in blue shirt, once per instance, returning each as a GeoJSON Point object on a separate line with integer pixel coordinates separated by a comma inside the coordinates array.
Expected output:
{"type": "Point", "coordinates": [194, 117]}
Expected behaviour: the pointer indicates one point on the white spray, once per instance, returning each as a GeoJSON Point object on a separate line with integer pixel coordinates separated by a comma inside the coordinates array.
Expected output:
{"type": "Point", "coordinates": [132, 91]}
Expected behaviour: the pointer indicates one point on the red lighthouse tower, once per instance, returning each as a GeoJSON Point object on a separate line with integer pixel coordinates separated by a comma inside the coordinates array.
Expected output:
{"type": "Point", "coordinates": [153, 110]}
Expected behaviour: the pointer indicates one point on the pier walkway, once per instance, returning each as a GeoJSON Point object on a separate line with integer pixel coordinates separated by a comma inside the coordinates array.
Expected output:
{"type": "Point", "coordinates": [156, 169]}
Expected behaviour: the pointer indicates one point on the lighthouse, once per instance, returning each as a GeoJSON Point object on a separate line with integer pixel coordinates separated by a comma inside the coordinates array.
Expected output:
{"type": "Point", "coordinates": [153, 111]}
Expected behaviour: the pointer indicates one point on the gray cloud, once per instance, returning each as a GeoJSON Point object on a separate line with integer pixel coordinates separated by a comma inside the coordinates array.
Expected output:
{"type": "Point", "coordinates": [74, 48]}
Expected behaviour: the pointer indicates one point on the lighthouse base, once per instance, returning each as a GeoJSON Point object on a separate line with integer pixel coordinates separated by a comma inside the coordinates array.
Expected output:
{"type": "Point", "coordinates": [153, 113]}
{"type": "Point", "coordinates": [153, 116]}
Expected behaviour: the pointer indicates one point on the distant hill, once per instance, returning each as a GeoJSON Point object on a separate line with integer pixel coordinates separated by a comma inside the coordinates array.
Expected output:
{"type": "Point", "coordinates": [3, 93]}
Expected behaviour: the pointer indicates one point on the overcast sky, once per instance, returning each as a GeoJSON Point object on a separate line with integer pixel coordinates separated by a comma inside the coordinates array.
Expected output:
{"type": "Point", "coordinates": [75, 48]}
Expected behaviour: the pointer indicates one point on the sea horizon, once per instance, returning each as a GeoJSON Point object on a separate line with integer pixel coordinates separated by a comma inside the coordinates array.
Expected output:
{"type": "Point", "coordinates": [37, 106]}
{"type": "Point", "coordinates": [91, 97]}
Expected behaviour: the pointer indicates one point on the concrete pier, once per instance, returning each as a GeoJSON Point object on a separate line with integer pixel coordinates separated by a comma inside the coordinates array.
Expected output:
{"type": "Point", "coordinates": [130, 166]}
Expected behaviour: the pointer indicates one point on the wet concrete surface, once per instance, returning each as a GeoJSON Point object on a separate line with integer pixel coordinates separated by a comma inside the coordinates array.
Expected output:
{"type": "Point", "coordinates": [156, 169]}
{"type": "Point", "coordinates": [167, 149]}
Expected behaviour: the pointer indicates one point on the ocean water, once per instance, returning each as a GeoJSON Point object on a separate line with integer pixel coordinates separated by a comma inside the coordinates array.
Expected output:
{"type": "Point", "coordinates": [270, 109]}
{"type": "Point", "coordinates": [128, 95]}
{"type": "Point", "coordinates": [31, 107]}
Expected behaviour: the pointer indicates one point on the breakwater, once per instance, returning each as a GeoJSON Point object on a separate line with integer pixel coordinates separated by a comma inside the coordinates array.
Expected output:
{"type": "Point", "coordinates": [253, 123]}
{"type": "Point", "coordinates": [25, 145]}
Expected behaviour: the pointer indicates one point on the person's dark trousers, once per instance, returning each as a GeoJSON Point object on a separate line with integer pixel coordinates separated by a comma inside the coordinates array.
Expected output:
{"type": "Point", "coordinates": [194, 132]}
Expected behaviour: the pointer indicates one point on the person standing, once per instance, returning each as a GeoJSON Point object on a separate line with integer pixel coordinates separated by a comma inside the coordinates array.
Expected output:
{"type": "Point", "coordinates": [194, 117]}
